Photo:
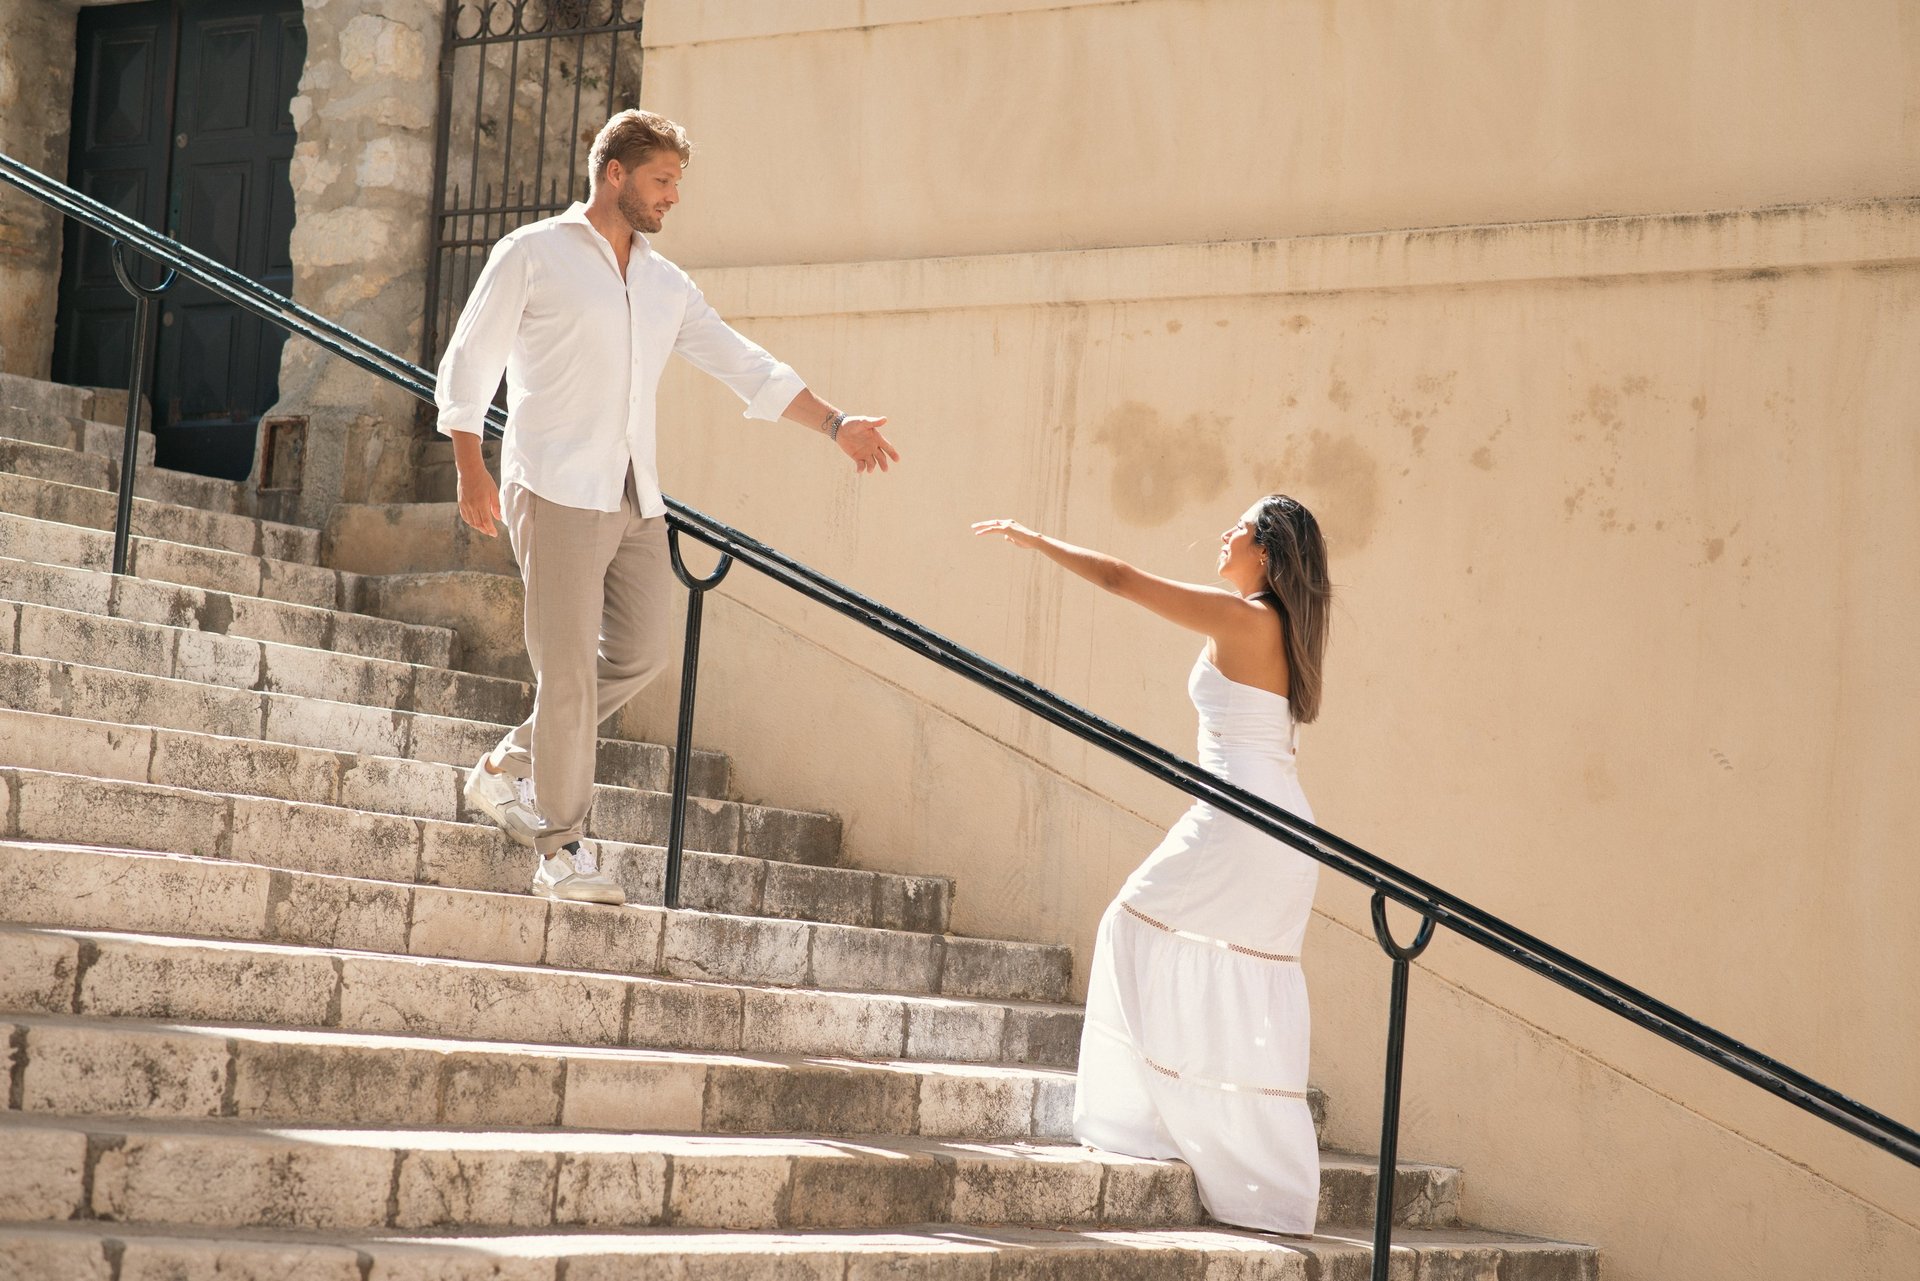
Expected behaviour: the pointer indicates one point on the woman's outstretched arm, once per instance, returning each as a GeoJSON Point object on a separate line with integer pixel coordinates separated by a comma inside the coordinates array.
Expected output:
{"type": "Point", "coordinates": [1219, 613]}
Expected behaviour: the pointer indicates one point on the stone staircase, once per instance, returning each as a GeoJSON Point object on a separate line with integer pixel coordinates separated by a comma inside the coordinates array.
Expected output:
{"type": "Point", "coordinates": [274, 1004]}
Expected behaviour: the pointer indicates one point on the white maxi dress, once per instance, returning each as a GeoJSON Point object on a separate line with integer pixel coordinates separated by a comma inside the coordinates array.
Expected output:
{"type": "Point", "coordinates": [1195, 1042]}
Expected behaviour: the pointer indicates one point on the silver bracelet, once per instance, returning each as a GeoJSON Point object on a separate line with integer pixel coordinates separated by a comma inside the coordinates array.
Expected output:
{"type": "Point", "coordinates": [834, 424]}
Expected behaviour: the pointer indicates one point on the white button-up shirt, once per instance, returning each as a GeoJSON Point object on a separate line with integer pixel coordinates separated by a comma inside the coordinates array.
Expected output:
{"type": "Point", "coordinates": [583, 351]}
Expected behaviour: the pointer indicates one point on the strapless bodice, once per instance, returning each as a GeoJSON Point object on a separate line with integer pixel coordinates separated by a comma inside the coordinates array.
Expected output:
{"type": "Point", "coordinates": [1242, 727]}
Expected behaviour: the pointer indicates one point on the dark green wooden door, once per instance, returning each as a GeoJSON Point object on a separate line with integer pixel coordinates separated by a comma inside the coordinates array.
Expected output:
{"type": "Point", "coordinates": [229, 70]}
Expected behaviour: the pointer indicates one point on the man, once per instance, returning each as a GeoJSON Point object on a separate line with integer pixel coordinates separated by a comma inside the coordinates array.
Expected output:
{"type": "Point", "coordinates": [581, 314]}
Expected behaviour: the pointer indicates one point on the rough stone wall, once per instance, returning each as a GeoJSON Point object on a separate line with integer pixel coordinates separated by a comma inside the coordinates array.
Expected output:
{"type": "Point", "coordinates": [361, 175]}
{"type": "Point", "coordinates": [36, 89]}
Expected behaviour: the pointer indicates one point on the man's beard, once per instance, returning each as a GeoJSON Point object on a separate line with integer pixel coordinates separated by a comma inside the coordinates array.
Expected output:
{"type": "Point", "coordinates": [638, 216]}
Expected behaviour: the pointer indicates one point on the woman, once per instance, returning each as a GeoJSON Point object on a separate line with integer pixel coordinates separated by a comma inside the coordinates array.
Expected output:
{"type": "Point", "coordinates": [1195, 1043]}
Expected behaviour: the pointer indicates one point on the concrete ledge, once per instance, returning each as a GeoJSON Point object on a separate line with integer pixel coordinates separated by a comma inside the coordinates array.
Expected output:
{"type": "Point", "coordinates": [1790, 238]}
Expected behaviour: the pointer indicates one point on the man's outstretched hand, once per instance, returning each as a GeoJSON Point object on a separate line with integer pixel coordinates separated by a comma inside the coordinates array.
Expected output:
{"type": "Point", "coordinates": [860, 440]}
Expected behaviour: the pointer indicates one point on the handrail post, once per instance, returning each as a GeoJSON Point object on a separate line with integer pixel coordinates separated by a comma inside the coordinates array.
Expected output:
{"type": "Point", "coordinates": [136, 388]}
{"type": "Point", "coordinates": [1403, 958]}
{"type": "Point", "coordinates": [697, 589]}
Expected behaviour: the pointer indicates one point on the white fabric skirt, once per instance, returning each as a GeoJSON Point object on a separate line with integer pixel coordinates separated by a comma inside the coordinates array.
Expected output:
{"type": "Point", "coordinates": [1197, 1027]}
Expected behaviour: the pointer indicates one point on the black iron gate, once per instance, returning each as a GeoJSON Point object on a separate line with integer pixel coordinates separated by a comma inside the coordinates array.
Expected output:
{"type": "Point", "coordinates": [524, 86]}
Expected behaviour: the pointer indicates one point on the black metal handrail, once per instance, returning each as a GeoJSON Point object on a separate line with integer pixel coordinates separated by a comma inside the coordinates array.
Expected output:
{"type": "Point", "coordinates": [1388, 882]}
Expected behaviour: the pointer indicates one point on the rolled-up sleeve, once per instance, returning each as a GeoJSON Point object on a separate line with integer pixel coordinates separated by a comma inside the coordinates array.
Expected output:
{"type": "Point", "coordinates": [477, 353]}
{"type": "Point", "coordinates": [713, 346]}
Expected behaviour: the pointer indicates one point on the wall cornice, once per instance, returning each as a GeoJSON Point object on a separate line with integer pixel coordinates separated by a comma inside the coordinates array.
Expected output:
{"type": "Point", "coordinates": [1787, 238]}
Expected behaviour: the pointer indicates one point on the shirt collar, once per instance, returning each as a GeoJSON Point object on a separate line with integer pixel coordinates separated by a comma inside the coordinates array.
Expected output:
{"type": "Point", "coordinates": [577, 212]}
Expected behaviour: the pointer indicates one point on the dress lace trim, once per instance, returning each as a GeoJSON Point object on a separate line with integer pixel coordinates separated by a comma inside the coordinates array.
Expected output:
{"type": "Point", "coordinates": [1230, 1087]}
{"type": "Point", "coordinates": [1239, 948]}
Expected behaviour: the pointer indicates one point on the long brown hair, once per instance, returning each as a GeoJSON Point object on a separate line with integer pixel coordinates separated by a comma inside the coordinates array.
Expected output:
{"type": "Point", "coordinates": [1297, 576]}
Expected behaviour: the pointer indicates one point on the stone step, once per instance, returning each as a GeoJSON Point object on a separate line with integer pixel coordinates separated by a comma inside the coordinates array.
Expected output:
{"type": "Point", "coordinates": [225, 1174]}
{"type": "Point", "coordinates": [80, 809]}
{"type": "Point", "coordinates": [103, 405]}
{"type": "Point", "coordinates": [120, 975]}
{"type": "Point", "coordinates": [53, 543]}
{"type": "Point", "coordinates": [485, 608]}
{"type": "Point", "coordinates": [88, 508]}
{"type": "Point", "coordinates": [198, 1071]}
{"type": "Point", "coordinates": [338, 841]}
{"type": "Point", "coordinates": [94, 591]}
{"type": "Point", "coordinates": [239, 662]}
{"type": "Point", "coordinates": [411, 538]}
{"type": "Point", "coordinates": [93, 1249]}
{"type": "Point", "coordinates": [79, 433]}
{"type": "Point", "coordinates": [71, 886]}
{"type": "Point", "coordinates": [133, 698]}
{"type": "Point", "coordinates": [382, 796]}
{"type": "Point", "coordinates": [102, 471]}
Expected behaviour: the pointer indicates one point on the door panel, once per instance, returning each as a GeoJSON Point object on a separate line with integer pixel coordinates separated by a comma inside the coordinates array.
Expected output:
{"type": "Point", "coordinates": [240, 62]}
{"type": "Point", "coordinates": [122, 108]}
{"type": "Point", "coordinates": [181, 120]}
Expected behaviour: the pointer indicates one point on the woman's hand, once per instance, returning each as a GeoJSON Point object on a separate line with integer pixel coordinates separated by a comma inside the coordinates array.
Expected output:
{"type": "Point", "coordinates": [1011, 530]}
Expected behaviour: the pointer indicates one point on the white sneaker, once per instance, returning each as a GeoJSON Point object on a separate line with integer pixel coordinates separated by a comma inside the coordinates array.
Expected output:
{"type": "Point", "coordinates": [506, 800]}
{"type": "Point", "coordinates": [573, 873]}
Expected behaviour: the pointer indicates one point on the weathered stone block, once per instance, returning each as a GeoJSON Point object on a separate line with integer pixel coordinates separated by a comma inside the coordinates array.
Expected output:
{"type": "Point", "coordinates": [962, 1032]}
{"type": "Point", "coordinates": [168, 978]}
{"type": "Point", "coordinates": [247, 766]}
{"type": "Point", "coordinates": [338, 727]}
{"type": "Point", "coordinates": [216, 660]}
{"type": "Point", "coordinates": [477, 927]}
{"type": "Point", "coordinates": [1007, 971]}
{"type": "Point", "coordinates": [1053, 1107]}
{"type": "Point", "coordinates": [673, 1015]}
{"type": "Point", "coordinates": [611, 1189]}
{"type": "Point", "coordinates": [65, 807]}
{"type": "Point", "coordinates": [124, 1072]}
{"type": "Point", "coordinates": [330, 911]}
{"type": "Point", "coordinates": [1042, 1036]}
{"type": "Point", "coordinates": [167, 1259]}
{"type": "Point", "coordinates": [37, 972]}
{"type": "Point", "coordinates": [852, 959]}
{"type": "Point", "coordinates": [105, 642]}
{"type": "Point", "coordinates": [131, 699]}
{"type": "Point", "coordinates": [740, 1191]}
{"type": "Point", "coordinates": [823, 1023]}
{"type": "Point", "coordinates": [1038, 1186]}
{"type": "Point", "coordinates": [454, 998]}
{"type": "Point", "coordinates": [583, 936]}
{"type": "Point", "coordinates": [42, 1175]}
{"type": "Point", "coordinates": [789, 836]}
{"type": "Point", "coordinates": [236, 1181]}
{"type": "Point", "coordinates": [842, 895]}
{"type": "Point", "coordinates": [28, 1256]}
{"type": "Point", "coordinates": [956, 1102]}
{"type": "Point", "coordinates": [844, 1187]}
{"type": "Point", "coordinates": [35, 740]}
{"type": "Point", "coordinates": [814, 1098]}
{"type": "Point", "coordinates": [1149, 1194]}
{"type": "Point", "coordinates": [917, 903]}
{"type": "Point", "coordinates": [342, 678]}
{"type": "Point", "coordinates": [491, 1089]}
{"type": "Point", "coordinates": [736, 948]}
{"type": "Point", "coordinates": [484, 1188]}
{"type": "Point", "coordinates": [634, 1095]}
{"type": "Point", "coordinates": [325, 839]}
{"type": "Point", "coordinates": [334, 1082]}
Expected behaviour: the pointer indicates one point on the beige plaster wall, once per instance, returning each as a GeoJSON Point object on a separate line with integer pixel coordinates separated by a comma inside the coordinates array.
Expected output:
{"type": "Point", "coordinates": [1625, 514]}
{"type": "Point", "coordinates": [847, 130]}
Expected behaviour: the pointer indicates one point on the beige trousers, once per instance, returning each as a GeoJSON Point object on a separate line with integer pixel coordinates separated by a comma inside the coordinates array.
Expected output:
{"type": "Point", "coordinates": [597, 622]}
